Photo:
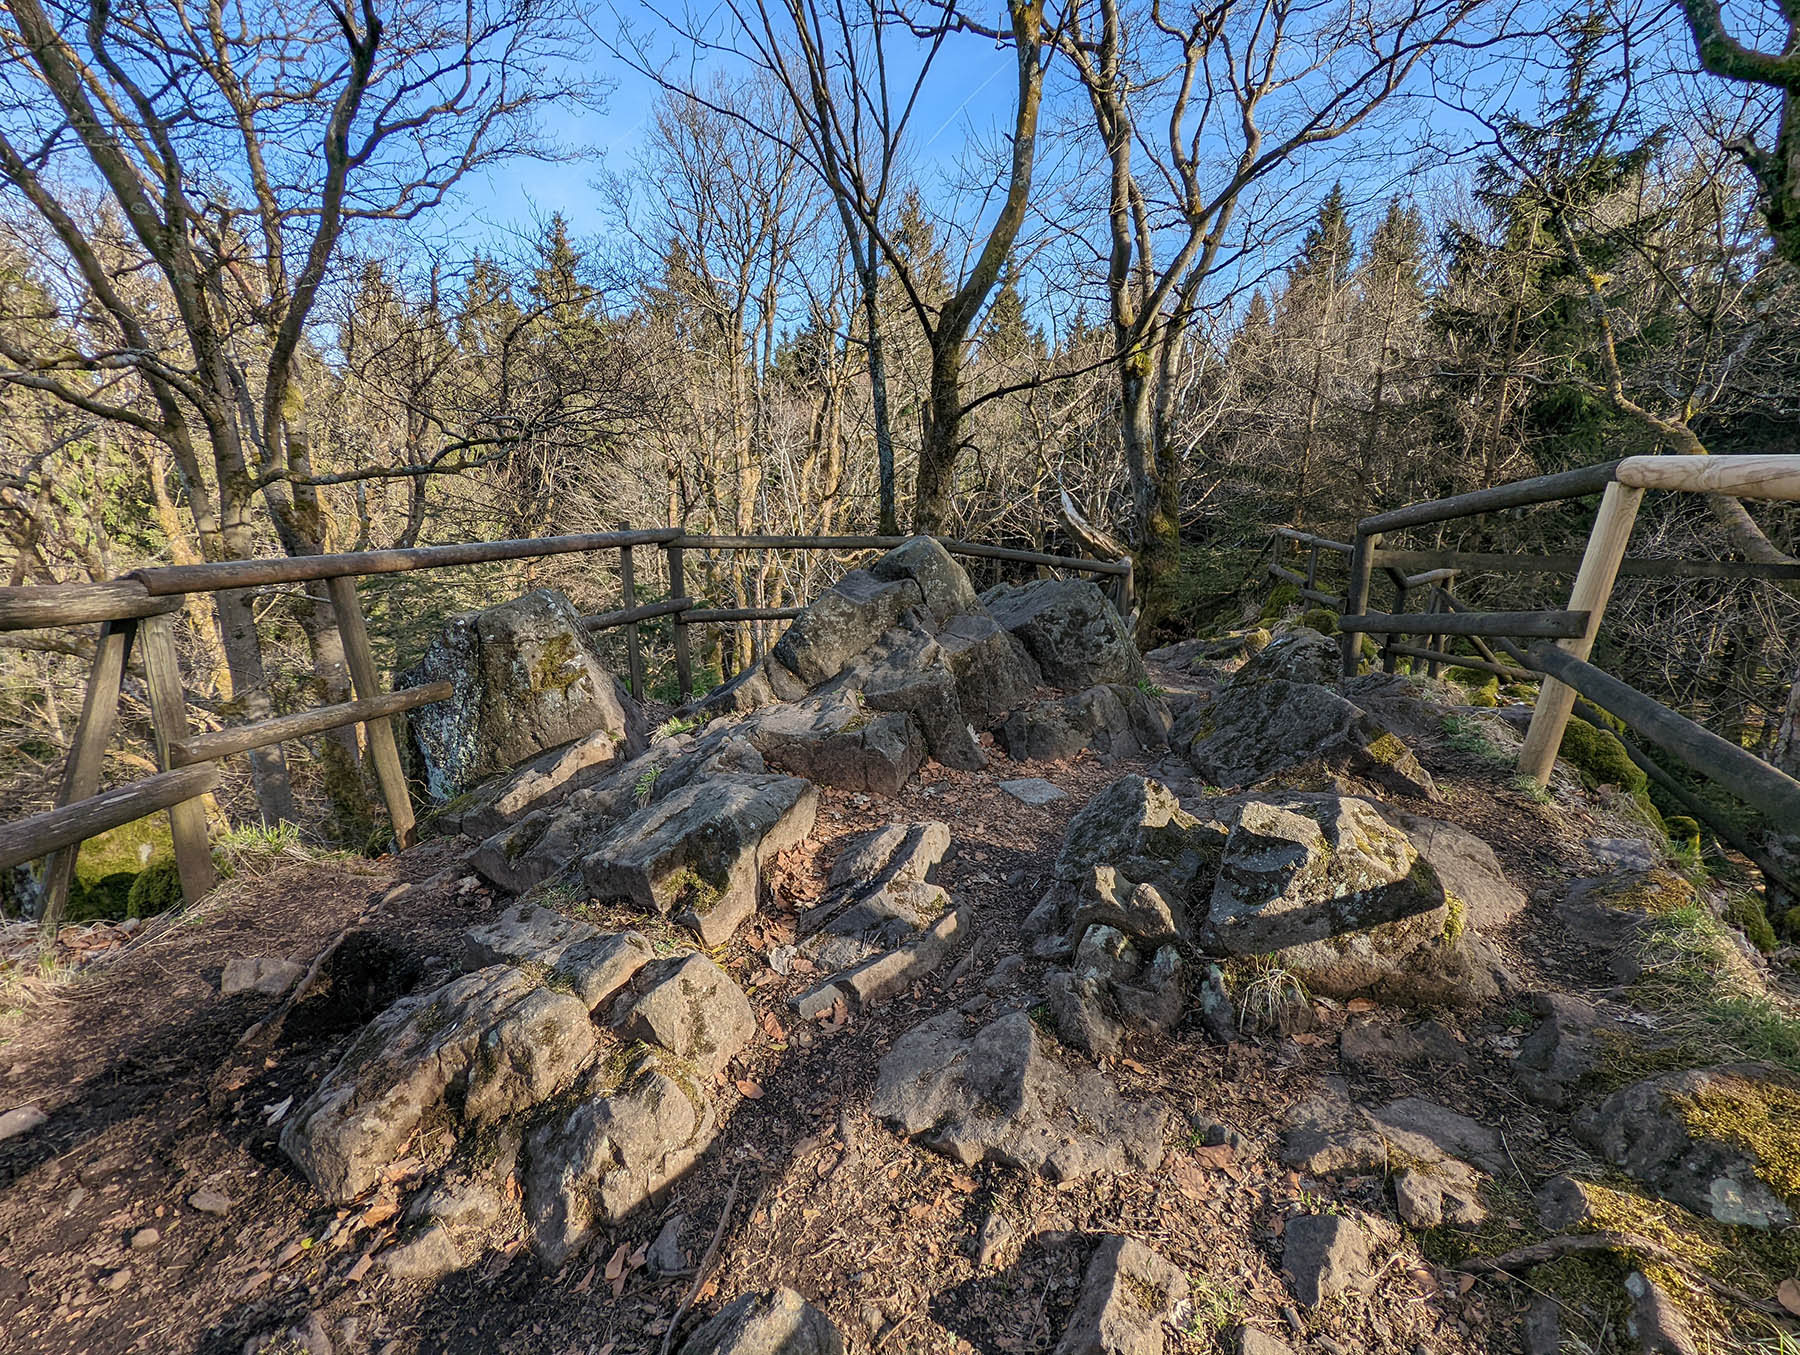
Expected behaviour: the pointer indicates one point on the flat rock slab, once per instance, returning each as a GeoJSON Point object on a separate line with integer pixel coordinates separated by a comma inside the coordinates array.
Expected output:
{"type": "Point", "coordinates": [774, 1322]}
{"type": "Point", "coordinates": [1129, 1297]}
{"type": "Point", "coordinates": [476, 1049]}
{"type": "Point", "coordinates": [256, 974]}
{"type": "Point", "coordinates": [1324, 1255]}
{"type": "Point", "coordinates": [593, 963]}
{"type": "Point", "coordinates": [1007, 1094]}
{"type": "Point", "coordinates": [698, 855]}
{"type": "Point", "coordinates": [1033, 790]}
{"type": "Point", "coordinates": [832, 740]}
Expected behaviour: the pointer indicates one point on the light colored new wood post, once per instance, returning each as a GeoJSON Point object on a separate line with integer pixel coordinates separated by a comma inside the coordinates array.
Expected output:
{"type": "Point", "coordinates": [168, 717]}
{"type": "Point", "coordinates": [1593, 586]}
{"type": "Point", "coordinates": [81, 773]}
{"type": "Point", "coordinates": [628, 600]}
{"type": "Point", "coordinates": [380, 731]}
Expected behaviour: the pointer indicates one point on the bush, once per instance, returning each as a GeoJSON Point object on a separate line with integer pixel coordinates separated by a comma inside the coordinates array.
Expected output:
{"type": "Point", "coordinates": [106, 899]}
{"type": "Point", "coordinates": [156, 889]}
{"type": "Point", "coordinates": [1321, 619]}
{"type": "Point", "coordinates": [1790, 923]}
{"type": "Point", "coordinates": [1282, 596]}
{"type": "Point", "coordinates": [1745, 912]}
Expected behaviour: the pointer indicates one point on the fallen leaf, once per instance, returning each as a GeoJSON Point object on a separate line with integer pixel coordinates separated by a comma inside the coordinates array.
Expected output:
{"type": "Point", "coordinates": [772, 1027]}
{"type": "Point", "coordinates": [751, 1091]}
{"type": "Point", "coordinates": [1361, 1004]}
{"type": "Point", "coordinates": [1465, 1283]}
{"type": "Point", "coordinates": [1217, 1156]}
{"type": "Point", "coordinates": [707, 1290]}
{"type": "Point", "coordinates": [1788, 1296]}
{"type": "Point", "coordinates": [837, 1018]}
{"type": "Point", "coordinates": [587, 1279]}
{"type": "Point", "coordinates": [615, 1265]}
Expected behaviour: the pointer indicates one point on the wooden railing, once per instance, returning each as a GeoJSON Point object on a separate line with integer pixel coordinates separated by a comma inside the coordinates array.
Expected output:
{"type": "Point", "coordinates": [138, 611]}
{"type": "Point", "coordinates": [1562, 669]}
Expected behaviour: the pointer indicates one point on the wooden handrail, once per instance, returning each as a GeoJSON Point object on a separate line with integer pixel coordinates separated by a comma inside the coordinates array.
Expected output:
{"type": "Point", "coordinates": [26, 839]}
{"type": "Point", "coordinates": [39, 606]}
{"type": "Point", "coordinates": [625, 616]}
{"type": "Point", "coordinates": [1518, 494]}
{"type": "Point", "coordinates": [1742, 477]}
{"type": "Point", "coordinates": [242, 738]}
{"type": "Point", "coordinates": [1552, 625]}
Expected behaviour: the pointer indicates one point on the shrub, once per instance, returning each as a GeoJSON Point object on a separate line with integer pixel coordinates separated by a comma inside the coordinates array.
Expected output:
{"type": "Point", "coordinates": [107, 898]}
{"type": "Point", "coordinates": [156, 889]}
{"type": "Point", "coordinates": [1745, 912]}
{"type": "Point", "coordinates": [1282, 596]}
{"type": "Point", "coordinates": [1600, 758]}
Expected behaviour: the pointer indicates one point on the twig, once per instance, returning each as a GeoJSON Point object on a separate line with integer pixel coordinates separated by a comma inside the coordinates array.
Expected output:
{"type": "Point", "coordinates": [712, 1250]}
{"type": "Point", "coordinates": [1551, 1248]}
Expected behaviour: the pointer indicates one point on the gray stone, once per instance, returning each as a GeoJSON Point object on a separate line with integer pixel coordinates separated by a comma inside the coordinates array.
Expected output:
{"type": "Point", "coordinates": [542, 783]}
{"type": "Point", "coordinates": [1432, 1194]}
{"type": "Point", "coordinates": [690, 1007]}
{"type": "Point", "coordinates": [206, 1200]}
{"type": "Point", "coordinates": [526, 679]}
{"type": "Point", "coordinates": [773, 1322]}
{"type": "Point", "coordinates": [1070, 628]}
{"type": "Point", "coordinates": [831, 740]}
{"type": "Point", "coordinates": [944, 587]}
{"type": "Point", "coordinates": [898, 853]}
{"type": "Point", "coordinates": [1255, 730]}
{"type": "Point", "coordinates": [1218, 1014]}
{"type": "Point", "coordinates": [1428, 1132]}
{"type": "Point", "coordinates": [665, 1256]}
{"type": "Point", "coordinates": [1323, 1256]}
{"type": "Point", "coordinates": [992, 670]}
{"type": "Point", "coordinates": [1033, 791]}
{"type": "Point", "coordinates": [1006, 1095]}
{"type": "Point", "coordinates": [1079, 1005]}
{"type": "Point", "coordinates": [906, 672]}
{"type": "Point", "coordinates": [1135, 820]}
{"type": "Point", "coordinates": [1254, 1342]}
{"type": "Point", "coordinates": [1466, 867]}
{"type": "Point", "coordinates": [255, 974]}
{"type": "Point", "coordinates": [1561, 1052]}
{"type": "Point", "coordinates": [1542, 1328]}
{"type": "Point", "coordinates": [1326, 1135]}
{"type": "Point", "coordinates": [1656, 1323]}
{"type": "Point", "coordinates": [885, 975]}
{"type": "Point", "coordinates": [1661, 1131]}
{"type": "Point", "coordinates": [1369, 1045]}
{"type": "Point", "coordinates": [430, 1256]}
{"type": "Point", "coordinates": [21, 1120]}
{"type": "Point", "coordinates": [1298, 656]}
{"type": "Point", "coordinates": [595, 964]}
{"type": "Point", "coordinates": [1623, 853]}
{"type": "Point", "coordinates": [841, 623]}
{"type": "Point", "coordinates": [1115, 719]}
{"type": "Point", "coordinates": [698, 854]}
{"type": "Point", "coordinates": [1128, 1296]}
{"type": "Point", "coordinates": [478, 1048]}
{"type": "Point", "coordinates": [590, 1168]}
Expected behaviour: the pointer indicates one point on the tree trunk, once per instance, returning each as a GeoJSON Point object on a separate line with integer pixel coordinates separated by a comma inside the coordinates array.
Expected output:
{"type": "Point", "coordinates": [939, 448]}
{"type": "Point", "coordinates": [878, 399]}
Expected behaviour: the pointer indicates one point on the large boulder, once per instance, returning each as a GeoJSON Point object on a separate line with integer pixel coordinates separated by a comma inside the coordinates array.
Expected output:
{"type": "Point", "coordinates": [526, 680]}
{"type": "Point", "coordinates": [1070, 628]}
{"type": "Point", "coordinates": [1345, 902]}
{"type": "Point", "coordinates": [841, 623]}
{"type": "Point", "coordinates": [690, 1007]}
{"type": "Point", "coordinates": [944, 588]}
{"type": "Point", "coordinates": [633, 1136]}
{"type": "Point", "coordinates": [1718, 1140]}
{"type": "Point", "coordinates": [907, 671]}
{"type": "Point", "coordinates": [1299, 656]}
{"type": "Point", "coordinates": [993, 672]}
{"type": "Point", "coordinates": [831, 739]}
{"type": "Point", "coordinates": [1112, 718]}
{"type": "Point", "coordinates": [1006, 1094]}
{"type": "Point", "coordinates": [475, 1050]}
{"type": "Point", "coordinates": [698, 855]}
{"type": "Point", "coordinates": [1254, 730]}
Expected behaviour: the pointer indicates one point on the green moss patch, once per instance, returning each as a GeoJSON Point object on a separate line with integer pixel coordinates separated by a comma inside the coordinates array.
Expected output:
{"type": "Point", "coordinates": [1758, 1115]}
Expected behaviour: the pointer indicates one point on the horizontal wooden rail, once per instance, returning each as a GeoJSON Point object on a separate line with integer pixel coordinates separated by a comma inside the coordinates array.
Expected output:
{"type": "Point", "coordinates": [1428, 577]}
{"type": "Point", "coordinates": [27, 839]}
{"type": "Point", "coordinates": [1745, 775]}
{"type": "Point", "coordinates": [693, 541]}
{"type": "Point", "coordinates": [1331, 600]}
{"type": "Point", "coordinates": [1468, 661]}
{"type": "Point", "coordinates": [1535, 625]}
{"type": "Point", "coordinates": [701, 616]}
{"type": "Point", "coordinates": [208, 578]}
{"type": "Point", "coordinates": [1481, 562]}
{"type": "Point", "coordinates": [1313, 539]}
{"type": "Point", "coordinates": [605, 620]}
{"type": "Point", "coordinates": [1742, 477]}
{"type": "Point", "coordinates": [36, 607]}
{"type": "Point", "coordinates": [301, 724]}
{"type": "Point", "coordinates": [1518, 494]}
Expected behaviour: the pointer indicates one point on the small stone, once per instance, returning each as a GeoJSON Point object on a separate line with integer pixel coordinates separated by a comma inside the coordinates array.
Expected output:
{"type": "Point", "coordinates": [209, 1201]}
{"type": "Point", "coordinates": [996, 1232]}
{"type": "Point", "coordinates": [774, 1322]}
{"type": "Point", "coordinates": [665, 1255]}
{"type": "Point", "coordinates": [1324, 1256]}
{"type": "Point", "coordinates": [255, 974]}
{"type": "Point", "coordinates": [144, 1239]}
{"type": "Point", "coordinates": [430, 1256]}
{"type": "Point", "coordinates": [1033, 790]}
{"type": "Point", "coordinates": [1543, 1328]}
{"type": "Point", "coordinates": [20, 1120]}
{"type": "Point", "coordinates": [116, 1281]}
{"type": "Point", "coordinates": [1655, 1321]}
{"type": "Point", "coordinates": [1127, 1296]}
{"type": "Point", "coordinates": [1254, 1342]}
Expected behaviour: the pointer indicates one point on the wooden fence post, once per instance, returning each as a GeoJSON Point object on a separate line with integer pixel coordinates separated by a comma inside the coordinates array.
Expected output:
{"type": "Point", "coordinates": [1593, 586]}
{"type": "Point", "coordinates": [628, 600]}
{"type": "Point", "coordinates": [168, 717]}
{"type": "Point", "coordinates": [1390, 660]}
{"type": "Point", "coordinates": [379, 731]}
{"type": "Point", "coordinates": [81, 773]}
{"type": "Point", "coordinates": [684, 667]}
{"type": "Point", "coordinates": [1356, 596]}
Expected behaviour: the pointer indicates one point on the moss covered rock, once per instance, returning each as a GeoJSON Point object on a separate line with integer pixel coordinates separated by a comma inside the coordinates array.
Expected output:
{"type": "Point", "coordinates": [1684, 832]}
{"type": "Point", "coordinates": [1321, 619]}
{"type": "Point", "coordinates": [156, 890]}
{"type": "Point", "coordinates": [1745, 912]}
{"type": "Point", "coordinates": [1282, 596]}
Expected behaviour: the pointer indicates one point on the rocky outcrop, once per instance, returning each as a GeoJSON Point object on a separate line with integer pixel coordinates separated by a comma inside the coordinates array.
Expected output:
{"type": "Point", "coordinates": [1718, 1141]}
{"type": "Point", "coordinates": [697, 855]}
{"type": "Point", "coordinates": [591, 963]}
{"type": "Point", "coordinates": [526, 680]}
{"type": "Point", "coordinates": [475, 1050]}
{"type": "Point", "coordinates": [1007, 1094]}
{"type": "Point", "coordinates": [1115, 719]}
{"type": "Point", "coordinates": [1070, 628]}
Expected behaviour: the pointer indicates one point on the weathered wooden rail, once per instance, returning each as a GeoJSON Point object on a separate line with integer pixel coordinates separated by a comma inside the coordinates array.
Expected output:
{"type": "Point", "coordinates": [138, 610]}
{"type": "Point", "coordinates": [1562, 669]}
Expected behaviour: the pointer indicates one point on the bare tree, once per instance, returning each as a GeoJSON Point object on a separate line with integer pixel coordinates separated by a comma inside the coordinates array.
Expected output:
{"type": "Point", "coordinates": [237, 148]}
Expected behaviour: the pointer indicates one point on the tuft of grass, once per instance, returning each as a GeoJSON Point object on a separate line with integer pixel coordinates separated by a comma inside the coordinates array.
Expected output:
{"type": "Point", "coordinates": [1532, 791]}
{"type": "Point", "coordinates": [1465, 735]}
{"type": "Point", "coordinates": [1216, 1307]}
{"type": "Point", "coordinates": [673, 726]}
{"type": "Point", "coordinates": [254, 850]}
{"type": "Point", "coordinates": [1274, 1000]}
{"type": "Point", "coordinates": [645, 785]}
